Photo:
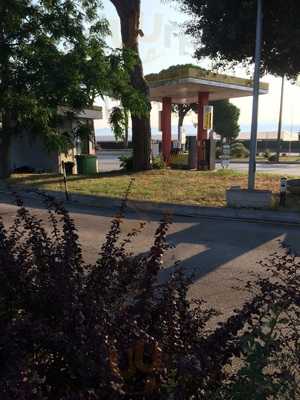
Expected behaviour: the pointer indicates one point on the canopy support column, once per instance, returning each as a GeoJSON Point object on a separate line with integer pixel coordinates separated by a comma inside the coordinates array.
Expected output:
{"type": "Point", "coordinates": [202, 133]}
{"type": "Point", "coordinates": [166, 128]}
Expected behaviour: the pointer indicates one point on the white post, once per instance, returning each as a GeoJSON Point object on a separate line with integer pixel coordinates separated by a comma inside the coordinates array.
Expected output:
{"type": "Point", "coordinates": [253, 143]}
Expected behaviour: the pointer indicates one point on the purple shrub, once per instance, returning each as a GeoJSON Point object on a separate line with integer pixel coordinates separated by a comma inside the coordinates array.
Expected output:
{"type": "Point", "coordinates": [113, 330]}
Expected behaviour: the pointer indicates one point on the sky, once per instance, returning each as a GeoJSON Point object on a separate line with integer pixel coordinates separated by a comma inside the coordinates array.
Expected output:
{"type": "Point", "coordinates": [165, 44]}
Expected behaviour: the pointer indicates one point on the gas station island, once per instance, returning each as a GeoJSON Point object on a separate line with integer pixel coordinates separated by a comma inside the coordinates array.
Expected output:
{"type": "Point", "coordinates": [190, 84]}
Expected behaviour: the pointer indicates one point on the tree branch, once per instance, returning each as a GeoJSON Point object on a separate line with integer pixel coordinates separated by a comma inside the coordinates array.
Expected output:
{"type": "Point", "coordinates": [121, 6]}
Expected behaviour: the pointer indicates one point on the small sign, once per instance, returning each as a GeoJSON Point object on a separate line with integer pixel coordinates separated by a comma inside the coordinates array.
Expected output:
{"type": "Point", "coordinates": [226, 150]}
{"type": "Point", "coordinates": [225, 158]}
{"type": "Point", "coordinates": [283, 189]}
{"type": "Point", "coordinates": [283, 185]}
{"type": "Point", "coordinates": [208, 117]}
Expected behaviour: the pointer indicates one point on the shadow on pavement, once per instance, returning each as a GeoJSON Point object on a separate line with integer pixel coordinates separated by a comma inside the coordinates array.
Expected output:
{"type": "Point", "coordinates": [225, 241]}
{"type": "Point", "coordinates": [221, 241]}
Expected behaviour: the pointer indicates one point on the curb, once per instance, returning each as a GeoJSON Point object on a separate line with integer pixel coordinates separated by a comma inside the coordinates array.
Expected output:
{"type": "Point", "coordinates": [247, 215]}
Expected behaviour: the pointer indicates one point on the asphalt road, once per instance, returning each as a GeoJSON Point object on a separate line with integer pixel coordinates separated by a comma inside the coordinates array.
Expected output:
{"type": "Point", "coordinates": [109, 161]}
{"type": "Point", "coordinates": [219, 253]}
{"type": "Point", "coordinates": [280, 169]}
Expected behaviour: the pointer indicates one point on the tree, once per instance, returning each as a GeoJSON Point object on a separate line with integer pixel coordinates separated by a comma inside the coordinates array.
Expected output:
{"type": "Point", "coordinates": [225, 32]}
{"type": "Point", "coordinates": [226, 117]}
{"type": "Point", "coordinates": [52, 54]}
{"type": "Point", "coordinates": [182, 110]}
{"type": "Point", "coordinates": [129, 13]}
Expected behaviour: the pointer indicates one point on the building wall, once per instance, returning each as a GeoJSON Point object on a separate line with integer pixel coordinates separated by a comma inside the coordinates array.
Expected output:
{"type": "Point", "coordinates": [28, 151]}
{"type": "Point", "coordinates": [271, 145]}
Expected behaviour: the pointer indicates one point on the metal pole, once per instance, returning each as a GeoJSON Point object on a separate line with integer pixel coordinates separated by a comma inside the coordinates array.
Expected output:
{"type": "Point", "coordinates": [65, 180]}
{"type": "Point", "coordinates": [280, 120]}
{"type": "Point", "coordinates": [253, 143]}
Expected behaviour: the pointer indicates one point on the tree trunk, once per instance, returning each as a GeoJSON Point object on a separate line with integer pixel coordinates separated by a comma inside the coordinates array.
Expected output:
{"type": "Point", "coordinates": [183, 109]}
{"type": "Point", "coordinates": [129, 13]}
{"type": "Point", "coordinates": [5, 162]}
{"type": "Point", "coordinates": [5, 141]}
{"type": "Point", "coordinates": [6, 114]}
{"type": "Point", "coordinates": [180, 125]}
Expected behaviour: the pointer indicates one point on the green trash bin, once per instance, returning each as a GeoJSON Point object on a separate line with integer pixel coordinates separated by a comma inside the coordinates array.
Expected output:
{"type": "Point", "coordinates": [86, 164]}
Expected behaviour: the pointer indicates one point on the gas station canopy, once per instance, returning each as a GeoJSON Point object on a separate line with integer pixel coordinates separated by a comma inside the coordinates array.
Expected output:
{"type": "Point", "coordinates": [184, 83]}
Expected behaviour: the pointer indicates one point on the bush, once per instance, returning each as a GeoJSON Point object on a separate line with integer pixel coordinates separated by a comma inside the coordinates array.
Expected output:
{"type": "Point", "coordinates": [238, 150]}
{"type": "Point", "coordinates": [272, 158]}
{"type": "Point", "coordinates": [158, 163]}
{"type": "Point", "coordinates": [267, 154]}
{"type": "Point", "coordinates": [126, 163]}
{"type": "Point", "coordinates": [110, 331]}
{"type": "Point", "coordinates": [24, 170]}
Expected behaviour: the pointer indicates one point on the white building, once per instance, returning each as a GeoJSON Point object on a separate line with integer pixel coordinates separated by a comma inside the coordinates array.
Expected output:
{"type": "Point", "coordinates": [30, 152]}
{"type": "Point", "coordinates": [285, 136]}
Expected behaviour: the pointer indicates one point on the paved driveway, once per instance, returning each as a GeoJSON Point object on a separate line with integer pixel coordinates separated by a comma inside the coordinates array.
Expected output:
{"type": "Point", "coordinates": [109, 161]}
{"type": "Point", "coordinates": [217, 252]}
{"type": "Point", "coordinates": [280, 169]}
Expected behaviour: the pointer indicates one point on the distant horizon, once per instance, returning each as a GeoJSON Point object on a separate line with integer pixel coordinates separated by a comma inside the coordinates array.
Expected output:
{"type": "Point", "coordinates": [191, 130]}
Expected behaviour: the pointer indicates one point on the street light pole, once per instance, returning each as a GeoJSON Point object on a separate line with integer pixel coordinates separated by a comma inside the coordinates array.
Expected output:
{"type": "Point", "coordinates": [280, 121]}
{"type": "Point", "coordinates": [253, 143]}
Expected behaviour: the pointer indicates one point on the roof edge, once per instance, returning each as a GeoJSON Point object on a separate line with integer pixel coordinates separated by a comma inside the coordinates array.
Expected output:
{"type": "Point", "coordinates": [198, 73]}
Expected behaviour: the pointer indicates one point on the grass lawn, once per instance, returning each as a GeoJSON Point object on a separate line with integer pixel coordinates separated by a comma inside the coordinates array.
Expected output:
{"type": "Point", "coordinates": [174, 186]}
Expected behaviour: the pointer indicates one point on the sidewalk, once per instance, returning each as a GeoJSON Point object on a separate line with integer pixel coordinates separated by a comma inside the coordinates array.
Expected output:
{"type": "Point", "coordinates": [248, 215]}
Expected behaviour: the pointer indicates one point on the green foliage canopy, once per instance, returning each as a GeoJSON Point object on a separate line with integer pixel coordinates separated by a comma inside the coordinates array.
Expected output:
{"type": "Point", "coordinates": [118, 121]}
{"type": "Point", "coordinates": [238, 150]}
{"type": "Point", "coordinates": [224, 30]}
{"type": "Point", "coordinates": [48, 53]}
{"type": "Point", "coordinates": [53, 53]}
{"type": "Point", "coordinates": [226, 119]}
